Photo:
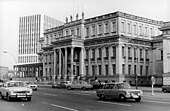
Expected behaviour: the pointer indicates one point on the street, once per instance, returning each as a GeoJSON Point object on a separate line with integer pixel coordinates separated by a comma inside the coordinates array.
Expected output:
{"type": "Point", "coordinates": [48, 99]}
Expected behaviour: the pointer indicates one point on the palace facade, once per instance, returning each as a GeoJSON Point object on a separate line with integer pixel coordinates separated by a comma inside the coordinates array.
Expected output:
{"type": "Point", "coordinates": [112, 47]}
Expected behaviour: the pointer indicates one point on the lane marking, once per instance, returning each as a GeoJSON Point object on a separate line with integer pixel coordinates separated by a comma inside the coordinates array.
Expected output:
{"type": "Point", "coordinates": [49, 94]}
{"type": "Point", "coordinates": [44, 102]}
{"type": "Point", "coordinates": [115, 103]}
{"type": "Point", "coordinates": [63, 107]}
{"type": "Point", "coordinates": [163, 102]}
{"type": "Point", "coordinates": [82, 94]}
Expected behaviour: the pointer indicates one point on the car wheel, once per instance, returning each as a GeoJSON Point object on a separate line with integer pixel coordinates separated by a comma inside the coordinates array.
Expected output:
{"type": "Point", "coordinates": [83, 88]}
{"type": "Point", "coordinates": [122, 97]}
{"type": "Point", "coordinates": [69, 88]}
{"type": "Point", "coordinates": [8, 97]}
{"type": "Point", "coordinates": [101, 97]}
{"type": "Point", "coordinates": [29, 99]}
{"type": "Point", "coordinates": [138, 99]}
{"type": "Point", "coordinates": [165, 90]}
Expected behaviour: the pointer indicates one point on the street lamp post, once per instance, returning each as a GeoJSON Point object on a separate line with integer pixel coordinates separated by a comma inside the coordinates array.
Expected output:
{"type": "Point", "coordinates": [7, 52]}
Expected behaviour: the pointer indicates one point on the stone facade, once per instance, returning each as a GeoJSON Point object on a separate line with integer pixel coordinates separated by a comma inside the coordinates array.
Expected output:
{"type": "Point", "coordinates": [113, 47]}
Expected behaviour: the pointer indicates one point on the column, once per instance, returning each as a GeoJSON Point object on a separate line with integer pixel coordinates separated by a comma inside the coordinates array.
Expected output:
{"type": "Point", "coordinates": [119, 62]}
{"type": "Point", "coordinates": [59, 74]}
{"type": "Point", "coordinates": [65, 68]}
{"type": "Point", "coordinates": [110, 62]}
{"type": "Point", "coordinates": [72, 57]}
{"type": "Point", "coordinates": [102, 59]}
{"type": "Point", "coordinates": [55, 64]}
{"type": "Point", "coordinates": [82, 62]}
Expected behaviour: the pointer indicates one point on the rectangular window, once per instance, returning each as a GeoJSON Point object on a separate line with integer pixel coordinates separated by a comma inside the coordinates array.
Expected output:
{"type": "Point", "coordinates": [135, 53]}
{"type": "Point", "coordinates": [146, 54]}
{"type": "Point", "coordinates": [93, 30]}
{"type": "Point", "coordinates": [151, 31]}
{"type": "Point", "coordinates": [106, 28]}
{"type": "Point", "coordinates": [129, 69]}
{"type": "Point", "coordinates": [93, 53]}
{"type": "Point", "coordinates": [162, 55]}
{"type": "Point", "coordinates": [47, 40]}
{"type": "Point", "coordinates": [78, 32]}
{"type": "Point", "coordinates": [129, 28]}
{"type": "Point", "coordinates": [113, 26]}
{"type": "Point", "coordinates": [107, 52]}
{"type": "Point", "coordinates": [87, 31]}
{"type": "Point", "coordinates": [114, 68]}
{"type": "Point", "coordinates": [123, 51]}
{"type": "Point", "coordinates": [141, 53]}
{"type": "Point", "coordinates": [107, 69]}
{"type": "Point", "coordinates": [93, 70]}
{"type": "Point", "coordinates": [141, 69]}
{"type": "Point", "coordinates": [129, 52]}
{"type": "Point", "coordinates": [146, 31]}
{"type": "Point", "coordinates": [99, 29]}
{"type": "Point", "coordinates": [100, 70]}
{"type": "Point", "coordinates": [134, 69]}
{"type": "Point", "coordinates": [135, 29]}
{"type": "Point", "coordinates": [67, 33]}
{"type": "Point", "coordinates": [114, 51]}
{"type": "Point", "coordinates": [140, 30]}
{"type": "Point", "coordinates": [123, 27]}
{"type": "Point", "coordinates": [87, 70]}
{"type": "Point", "coordinates": [147, 70]}
{"type": "Point", "coordinates": [72, 32]}
{"type": "Point", "coordinates": [100, 53]}
{"type": "Point", "coordinates": [123, 68]}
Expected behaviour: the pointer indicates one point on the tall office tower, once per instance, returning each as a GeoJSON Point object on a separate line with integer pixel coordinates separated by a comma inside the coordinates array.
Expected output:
{"type": "Point", "coordinates": [31, 28]}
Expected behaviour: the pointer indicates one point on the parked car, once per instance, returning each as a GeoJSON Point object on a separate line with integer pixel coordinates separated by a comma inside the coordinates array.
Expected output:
{"type": "Point", "coordinates": [166, 88]}
{"type": "Point", "coordinates": [15, 89]}
{"type": "Point", "coordinates": [65, 84]}
{"type": "Point", "coordinates": [119, 90]}
{"type": "Point", "coordinates": [31, 85]}
{"type": "Point", "coordinates": [55, 85]}
{"type": "Point", "coordinates": [80, 85]}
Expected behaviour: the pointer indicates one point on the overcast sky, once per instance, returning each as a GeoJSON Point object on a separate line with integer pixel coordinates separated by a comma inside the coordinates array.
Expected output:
{"type": "Point", "coordinates": [11, 10]}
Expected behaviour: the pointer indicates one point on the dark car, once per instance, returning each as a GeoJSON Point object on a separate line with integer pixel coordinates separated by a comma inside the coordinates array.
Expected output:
{"type": "Point", "coordinates": [97, 84]}
{"type": "Point", "coordinates": [166, 88]}
{"type": "Point", "coordinates": [55, 85]}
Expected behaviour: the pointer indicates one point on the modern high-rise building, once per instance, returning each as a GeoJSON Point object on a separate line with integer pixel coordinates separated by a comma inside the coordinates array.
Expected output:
{"type": "Point", "coordinates": [112, 47]}
{"type": "Point", "coordinates": [31, 29]}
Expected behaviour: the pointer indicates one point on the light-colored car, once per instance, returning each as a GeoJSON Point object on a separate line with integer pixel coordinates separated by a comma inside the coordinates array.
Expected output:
{"type": "Point", "coordinates": [119, 90]}
{"type": "Point", "coordinates": [80, 85]}
{"type": "Point", "coordinates": [65, 84]}
{"type": "Point", "coordinates": [15, 89]}
{"type": "Point", "coordinates": [31, 85]}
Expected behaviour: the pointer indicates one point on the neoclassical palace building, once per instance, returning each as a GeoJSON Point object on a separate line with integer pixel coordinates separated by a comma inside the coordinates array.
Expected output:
{"type": "Point", "coordinates": [112, 47]}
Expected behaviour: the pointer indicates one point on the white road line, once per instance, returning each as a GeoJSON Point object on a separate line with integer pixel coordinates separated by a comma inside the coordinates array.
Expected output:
{"type": "Point", "coordinates": [115, 103]}
{"type": "Point", "coordinates": [49, 94]}
{"type": "Point", "coordinates": [163, 102]}
{"type": "Point", "coordinates": [63, 107]}
{"type": "Point", "coordinates": [82, 94]}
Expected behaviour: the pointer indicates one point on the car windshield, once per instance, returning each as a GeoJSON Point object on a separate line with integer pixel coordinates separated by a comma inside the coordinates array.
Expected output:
{"type": "Point", "coordinates": [29, 83]}
{"type": "Point", "coordinates": [15, 84]}
{"type": "Point", "coordinates": [124, 86]}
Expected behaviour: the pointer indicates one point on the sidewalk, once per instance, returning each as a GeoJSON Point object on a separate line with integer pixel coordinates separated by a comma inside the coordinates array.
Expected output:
{"type": "Point", "coordinates": [149, 89]}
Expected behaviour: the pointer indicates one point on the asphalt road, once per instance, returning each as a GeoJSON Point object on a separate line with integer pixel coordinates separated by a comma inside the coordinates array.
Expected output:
{"type": "Point", "coordinates": [48, 99]}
